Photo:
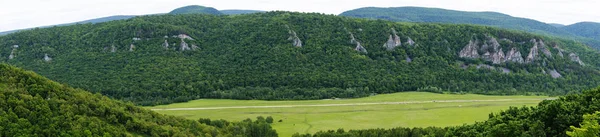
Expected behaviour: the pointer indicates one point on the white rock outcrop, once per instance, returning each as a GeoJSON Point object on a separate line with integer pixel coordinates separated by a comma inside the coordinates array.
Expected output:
{"type": "Point", "coordinates": [47, 58]}
{"type": "Point", "coordinates": [166, 44]}
{"type": "Point", "coordinates": [393, 41]}
{"type": "Point", "coordinates": [131, 47]}
{"type": "Point", "coordinates": [575, 58]}
{"type": "Point", "coordinates": [184, 46]}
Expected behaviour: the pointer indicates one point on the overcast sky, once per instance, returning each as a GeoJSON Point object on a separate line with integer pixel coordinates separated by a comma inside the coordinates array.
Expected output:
{"type": "Point", "coordinates": [18, 14]}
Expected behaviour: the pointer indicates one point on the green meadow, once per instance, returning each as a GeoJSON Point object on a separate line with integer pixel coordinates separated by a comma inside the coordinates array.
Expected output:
{"type": "Point", "coordinates": [407, 109]}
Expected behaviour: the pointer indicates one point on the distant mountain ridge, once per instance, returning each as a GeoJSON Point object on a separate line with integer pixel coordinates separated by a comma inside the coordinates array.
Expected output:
{"type": "Point", "coordinates": [437, 15]}
{"type": "Point", "coordinates": [186, 9]}
{"type": "Point", "coordinates": [237, 12]}
{"type": "Point", "coordinates": [584, 29]}
{"type": "Point", "coordinates": [196, 9]}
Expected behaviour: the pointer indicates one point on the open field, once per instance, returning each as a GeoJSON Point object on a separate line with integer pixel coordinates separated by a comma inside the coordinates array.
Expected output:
{"type": "Point", "coordinates": [408, 109]}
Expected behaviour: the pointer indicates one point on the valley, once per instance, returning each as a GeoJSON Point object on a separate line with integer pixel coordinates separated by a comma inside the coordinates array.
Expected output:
{"type": "Point", "coordinates": [385, 72]}
{"type": "Point", "coordinates": [406, 109]}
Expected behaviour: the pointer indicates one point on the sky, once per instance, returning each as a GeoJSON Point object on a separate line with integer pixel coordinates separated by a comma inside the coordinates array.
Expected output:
{"type": "Point", "coordinates": [20, 14]}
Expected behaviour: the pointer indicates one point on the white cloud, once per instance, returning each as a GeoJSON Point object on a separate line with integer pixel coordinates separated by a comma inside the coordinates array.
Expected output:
{"type": "Point", "coordinates": [18, 14]}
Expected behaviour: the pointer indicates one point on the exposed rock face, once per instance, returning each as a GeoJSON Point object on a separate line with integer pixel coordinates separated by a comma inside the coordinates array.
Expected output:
{"type": "Point", "coordinates": [194, 47]}
{"type": "Point", "coordinates": [498, 57]}
{"type": "Point", "coordinates": [113, 49]}
{"type": "Point", "coordinates": [184, 36]}
{"type": "Point", "coordinates": [47, 58]}
{"type": "Point", "coordinates": [358, 46]}
{"type": "Point", "coordinates": [533, 52]}
{"type": "Point", "coordinates": [408, 59]}
{"type": "Point", "coordinates": [166, 44]}
{"type": "Point", "coordinates": [560, 51]}
{"type": "Point", "coordinates": [136, 39]}
{"type": "Point", "coordinates": [393, 41]}
{"type": "Point", "coordinates": [294, 38]}
{"type": "Point", "coordinates": [184, 46]}
{"type": "Point", "coordinates": [12, 53]}
{"type": "Point", "coordinates": [555, 74]}
{"type": "Point", "coordinates": [575, 58]}
{"type": "Point", "coordinates": [491, 44]}
{"type": "Point", "coordinates": [514, 55]}
{"type": "Point", "coordinates": [470, 51]}
{"type": "Point", "coordinates": [131, 47]}
{"type": "Point", "coordinates": [544, 49]}
{"type": "Point", "coordinates": [410, 41]}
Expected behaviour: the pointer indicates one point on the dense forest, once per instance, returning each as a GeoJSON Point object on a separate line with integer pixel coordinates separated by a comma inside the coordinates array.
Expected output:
{"type": "Point", "coordinates": [162, 59]}
{"type": "Point", "coordinates": [31, 105]}
{"type": "Point", "coordinates": [571, 115]}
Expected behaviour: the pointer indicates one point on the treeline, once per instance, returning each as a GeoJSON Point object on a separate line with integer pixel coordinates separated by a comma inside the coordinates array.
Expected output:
{"type": "Point", "coordinates": [561, 117]}
{"type": "Point", "coordinates": [250, 57]}
{"type": "Point", "coordinates": [31, 105]}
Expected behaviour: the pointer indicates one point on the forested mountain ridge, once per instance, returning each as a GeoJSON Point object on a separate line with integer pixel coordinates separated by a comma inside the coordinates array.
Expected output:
{"type": "Point", "coordinates": [436, 15]}
{"type": "Point", "coordinates": [31, 105]}
{"type": "Point", "coordinates": [584, 29]}
{"type": "Point", "coordinates": [196, 9]}
{"type": "Point", "coordinates": [282, 55]}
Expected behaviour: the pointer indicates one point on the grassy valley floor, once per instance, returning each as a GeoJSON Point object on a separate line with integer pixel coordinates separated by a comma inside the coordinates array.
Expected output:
{"type": "Point", "coordinates": [407, 109]}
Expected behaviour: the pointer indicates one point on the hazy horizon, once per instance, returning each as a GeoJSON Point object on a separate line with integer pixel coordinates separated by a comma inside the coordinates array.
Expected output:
{"type": "Point", "coordinates": [35, 13]}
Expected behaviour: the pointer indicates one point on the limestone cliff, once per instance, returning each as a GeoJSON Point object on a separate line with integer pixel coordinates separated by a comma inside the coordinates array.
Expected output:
{"type": "Point", "coordinates": [544, 49]}
{"type": "Point", "coordinates": [360, 48]}
{"type": "Point", "coordinates": [555, 74]}
{"type": "Point", "coordinates": [575, 58]}
{"type": "Point", "coordinates": [410, 41]}
{"type": "Point", "coordinates": [470, 51]}
{"type": "Point", "coordinates": [131, 47]}
{"type": "Point", "coordinates": [560, 51]}
{"type": "Point", "coordinates": [514, 55]}
{"type": "Point", "coordinates": [166, 44]}
{"type": "Point", "coordinates": [296, 42]}
{"type": "Point", "coordinates": [533, 52]}
{"type": "Point", "coordinates": [47, 58]}
{"type": "Point", "coordinates": [12, 52]}
{"type": "Point", "coordinates": [184, 46]}
{"type": "Point", "coordinates": [393, 41]}
{"type": "Point", "coordinates": [113, 49]}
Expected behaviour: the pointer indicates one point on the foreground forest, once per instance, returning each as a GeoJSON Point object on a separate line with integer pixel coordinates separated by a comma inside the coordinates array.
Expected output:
{"type": "Point", "coordinates": [162, 59]}
{"type": "Point", "coordinates": [31, 105]}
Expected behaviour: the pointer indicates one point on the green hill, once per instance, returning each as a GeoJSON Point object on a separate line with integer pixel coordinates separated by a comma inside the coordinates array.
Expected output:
{"type": "Point", "coordinates": [436, 15]}
{"type": "Point", "coordinates": [31, 105]}
{"type": "Point", "coordinates": [282, 55]}
{"type": "Point", "coordinates": [192, 9]}
{"type": "Point", "coordinates": [584, 29]}
{"type": "Point", "coordinates": [237, 12]}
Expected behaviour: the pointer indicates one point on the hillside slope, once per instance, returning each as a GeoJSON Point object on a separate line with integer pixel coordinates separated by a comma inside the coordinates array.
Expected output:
{"type": "Point", "coordinates": [435, 15]}
{"type": "Point", "coordinates": [237, 12]}
{"type": "Point", "coordinates": [281, 55]}
{"type": "Point", "coordinates": [584, 29]}
{"type": "Point", "coordinates": [196, 9]}
{"type": "Point", "coordinates": [31, 105]}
